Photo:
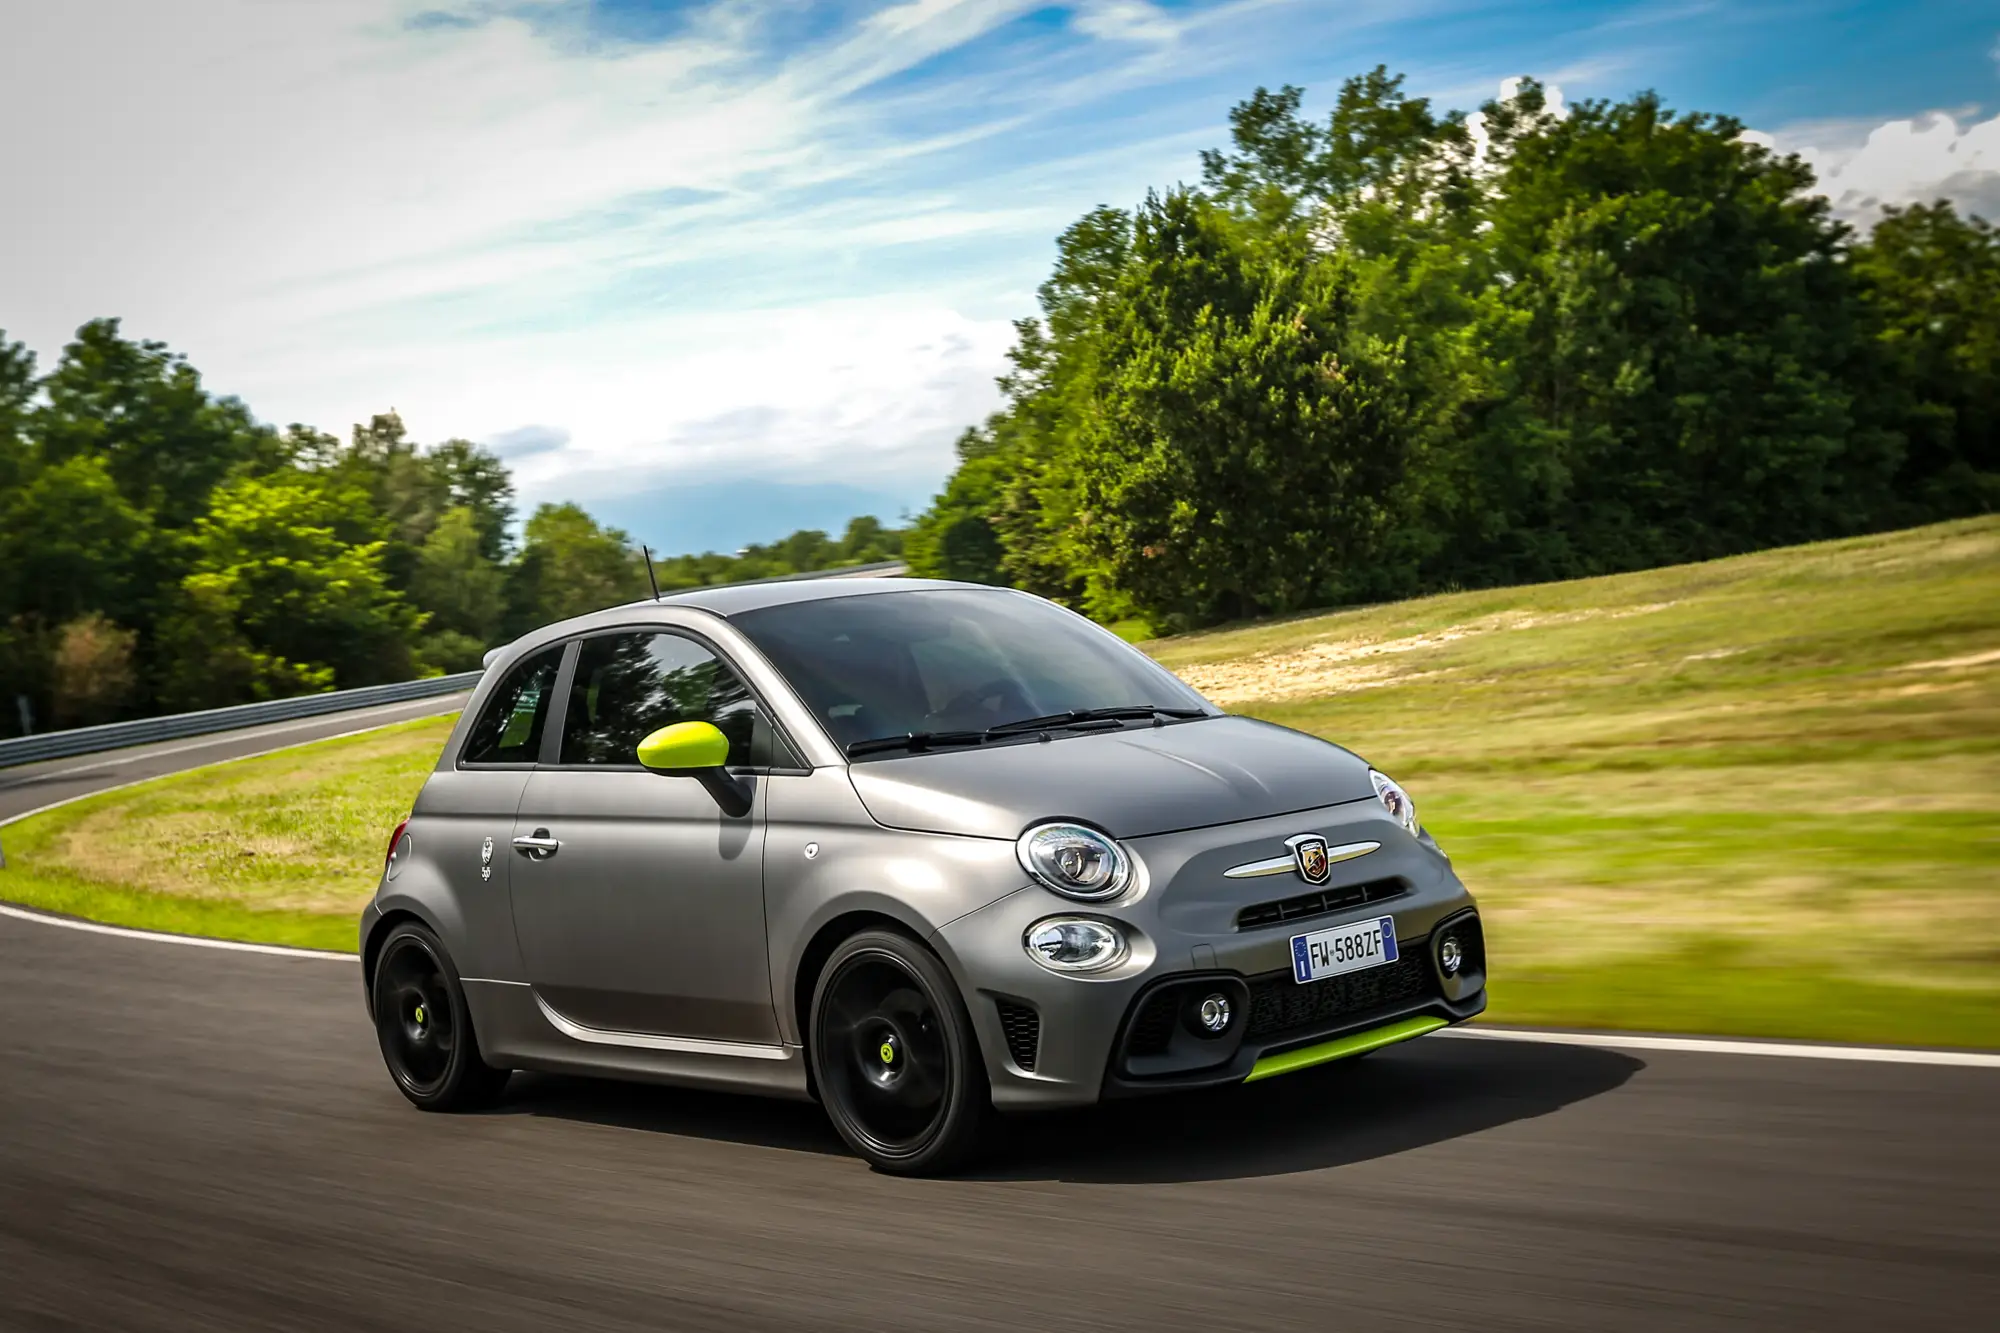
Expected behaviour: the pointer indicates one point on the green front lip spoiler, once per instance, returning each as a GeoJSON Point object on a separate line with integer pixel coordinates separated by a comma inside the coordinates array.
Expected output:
{"type": "Point", "coordinates": [1340, 1047]}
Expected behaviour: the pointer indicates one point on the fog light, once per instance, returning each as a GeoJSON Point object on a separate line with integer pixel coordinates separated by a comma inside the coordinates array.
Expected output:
{"type": "Point", "coordinates": [1214, 1013]}
{"type": "Point", "coordinates": [1451, 955]}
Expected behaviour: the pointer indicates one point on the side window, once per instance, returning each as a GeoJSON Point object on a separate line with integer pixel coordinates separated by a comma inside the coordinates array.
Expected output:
{"type": "Point", "coordinates": [510, 730]}
{"type": "Point", "coordinates": [628, 686]}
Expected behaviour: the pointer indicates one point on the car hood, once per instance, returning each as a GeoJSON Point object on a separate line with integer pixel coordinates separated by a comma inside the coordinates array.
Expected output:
{"type": "Point", "coordinates": [1131, 783]}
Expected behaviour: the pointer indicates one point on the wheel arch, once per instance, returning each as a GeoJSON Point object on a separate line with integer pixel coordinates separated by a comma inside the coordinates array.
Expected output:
{"type": "Point", "coordinates": [827, 938]}
{"type": "Point", "coordinates": [378, 933]}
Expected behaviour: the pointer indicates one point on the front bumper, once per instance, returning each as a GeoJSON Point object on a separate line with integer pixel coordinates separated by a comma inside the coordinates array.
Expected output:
{"type": "Point", "coordinates": [1286, 1025]}
{"type": "Point", "coordinates": [1063, 1040]}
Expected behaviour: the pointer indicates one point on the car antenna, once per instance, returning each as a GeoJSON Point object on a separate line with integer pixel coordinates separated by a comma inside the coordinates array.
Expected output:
{"type": "Point", "coordinates": [647, 552]}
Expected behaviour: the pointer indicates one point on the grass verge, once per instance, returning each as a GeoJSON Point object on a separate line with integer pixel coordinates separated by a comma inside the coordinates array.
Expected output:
{"type": "Point", "coordinates": [280, 849]}
{"type": "Point", "coordinates": [1751, 796]}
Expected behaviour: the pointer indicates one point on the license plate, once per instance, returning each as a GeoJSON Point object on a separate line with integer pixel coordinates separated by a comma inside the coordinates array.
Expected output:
{"type": "Point", "coordinates": [1349, 948]}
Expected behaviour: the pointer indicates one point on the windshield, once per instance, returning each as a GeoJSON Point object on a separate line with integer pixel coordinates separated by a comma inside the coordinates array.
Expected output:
{"type": "Point", "coordinates": [950, 659]}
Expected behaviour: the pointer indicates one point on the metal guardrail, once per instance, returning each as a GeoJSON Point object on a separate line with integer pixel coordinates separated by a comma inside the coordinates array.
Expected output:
{"type": "Point", "coordinates": [144, 731]}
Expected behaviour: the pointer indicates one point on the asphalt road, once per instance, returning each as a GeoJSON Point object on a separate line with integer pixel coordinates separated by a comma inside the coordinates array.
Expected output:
{"type": "Point", "coordinates": [30, 786]}
{"type": "Point", "coordinates": [197, 1139]}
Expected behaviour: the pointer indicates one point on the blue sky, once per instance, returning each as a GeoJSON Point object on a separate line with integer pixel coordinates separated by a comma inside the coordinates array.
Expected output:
{"type": "Point", "coordinates": [717, 271]}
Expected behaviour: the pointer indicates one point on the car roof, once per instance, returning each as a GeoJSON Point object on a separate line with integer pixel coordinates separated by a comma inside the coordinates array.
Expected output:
{"type": "Point", "coordinates": [736, 598]}
{"type": "Point", "coordinates": [728, 600]}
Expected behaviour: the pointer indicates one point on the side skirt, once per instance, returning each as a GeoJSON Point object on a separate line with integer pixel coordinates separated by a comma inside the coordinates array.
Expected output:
{"type": "Point", "coordinates": [518, 1029]}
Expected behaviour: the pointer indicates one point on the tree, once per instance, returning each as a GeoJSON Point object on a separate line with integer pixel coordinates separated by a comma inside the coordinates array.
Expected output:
{"type": "Point", "coordinates": [141, 411]}
{"type": "Point", "coordinates": [281, 593]}
{"type": "Point", "coordinates": [1248, 445]}
{"type": "Point", "coordinates": [71, 543]}
{"type": "Point", "coordinates": [477, 481]}
{"type": "Point", "coordinates": [569, 566]}
{"type": "Point", "coordinates": [1931, 283]}
{"type": "Point", "coordinates": [17, 392]}
{"type": "Point", "coordinates": [462, 590]}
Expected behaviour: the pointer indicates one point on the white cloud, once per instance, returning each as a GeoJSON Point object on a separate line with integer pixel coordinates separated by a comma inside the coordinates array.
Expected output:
{"type": "Point", "coordinates": [331, 212]}
{"type": "Point", "coordinates": [1862, 166]}
{"type": "Point", "coordinates": [1126, 21]}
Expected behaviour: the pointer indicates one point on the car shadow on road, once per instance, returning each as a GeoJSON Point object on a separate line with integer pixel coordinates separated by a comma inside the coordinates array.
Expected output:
{"type": "Point", "coordinates": [1351, 1111]}
{"type": "Point", "coordinates": [690, 1113]}
{"type": "Point", "coordinates": [1392, 1102]}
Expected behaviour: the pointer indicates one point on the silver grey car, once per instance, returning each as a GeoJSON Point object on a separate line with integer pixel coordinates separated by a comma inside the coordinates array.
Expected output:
{"type": "Point", "coordinates": [921, 851]}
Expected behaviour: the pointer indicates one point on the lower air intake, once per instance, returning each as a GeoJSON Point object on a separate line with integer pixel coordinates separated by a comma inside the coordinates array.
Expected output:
{"type": "Point", "coordinates": [1023, 1027]}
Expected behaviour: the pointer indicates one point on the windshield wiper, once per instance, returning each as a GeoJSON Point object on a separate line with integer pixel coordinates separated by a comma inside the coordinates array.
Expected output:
{"type": "Point", "coordinates": [913, 740]}
{"type": "Point", "coordinates": [1085, 716]}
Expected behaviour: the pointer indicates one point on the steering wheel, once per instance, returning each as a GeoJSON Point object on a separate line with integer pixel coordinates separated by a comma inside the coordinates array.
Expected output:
{"type": "Point", "coordinates": [992, 697]}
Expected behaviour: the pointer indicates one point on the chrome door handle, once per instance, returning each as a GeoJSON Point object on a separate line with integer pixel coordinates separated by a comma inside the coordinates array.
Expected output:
{"type": "Point", "coordinates": [538, 846]}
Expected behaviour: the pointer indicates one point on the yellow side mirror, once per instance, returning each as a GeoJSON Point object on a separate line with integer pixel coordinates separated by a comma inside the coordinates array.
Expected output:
{"type": "Point", "coordinates": [683, 746]}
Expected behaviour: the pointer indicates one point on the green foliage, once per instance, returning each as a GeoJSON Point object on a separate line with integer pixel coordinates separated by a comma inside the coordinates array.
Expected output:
{"type": "Point", "coordinates": [1931, 281]}
{"type": "Point", "coordinates": [1399, 350]}
{"type": "Point", "coordinates": [457, 582]}
{"type": "Point", "coordinates": [1245, 444]}
{"type": "Point", "coordinates": [569, 566]}
{"type": "Point", "coordinates": [286, 597]}
{"type": "Point", "coordinates": [142, 412]}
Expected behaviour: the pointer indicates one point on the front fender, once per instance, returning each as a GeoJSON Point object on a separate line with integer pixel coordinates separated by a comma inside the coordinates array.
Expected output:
{"type": "Point", "coordinates": [829, 869]}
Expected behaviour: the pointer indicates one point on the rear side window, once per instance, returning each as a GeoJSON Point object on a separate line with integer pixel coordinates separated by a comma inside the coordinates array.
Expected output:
{"type": "Point", "coordinates": [628, 686]}
{"type": "Point", "coordinates": [509, 731]}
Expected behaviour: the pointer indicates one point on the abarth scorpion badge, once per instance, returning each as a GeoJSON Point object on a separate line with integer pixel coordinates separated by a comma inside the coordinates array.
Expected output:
{"type": "Point", "coordinates": [486, 860]}
{"type": "Point", "coordinates": [1309, 850]}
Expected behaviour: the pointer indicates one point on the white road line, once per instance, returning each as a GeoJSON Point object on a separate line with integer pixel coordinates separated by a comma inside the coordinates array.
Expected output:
{"type": "Point", "coordinates": [1606, 1040]}
{"type": "Point", "coordinates": [157, 937]}
{"type": "Point", "coordinates": [1888, 1055]}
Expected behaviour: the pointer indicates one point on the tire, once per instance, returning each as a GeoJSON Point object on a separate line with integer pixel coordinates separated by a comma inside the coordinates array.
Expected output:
{"type": "Point", "coordinates": [424, 1028]}
{"type": "Point", "coordinates": [895, 1059]}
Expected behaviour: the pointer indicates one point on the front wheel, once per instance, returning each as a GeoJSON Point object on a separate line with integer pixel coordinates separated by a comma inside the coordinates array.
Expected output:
{"type": "Point", "coordinates": [424, 1028]}
{"type": "Point", "coordinates": [895, 1058]}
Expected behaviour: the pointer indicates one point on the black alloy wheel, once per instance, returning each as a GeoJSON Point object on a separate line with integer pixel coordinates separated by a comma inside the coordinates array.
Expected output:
{"type": "Point", "coordinates": [895, 1058]}
{"type": "Point", "coordinates": [423, 1026]}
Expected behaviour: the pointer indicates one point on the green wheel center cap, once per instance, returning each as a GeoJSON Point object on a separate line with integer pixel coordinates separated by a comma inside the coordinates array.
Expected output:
{"type": "Point", "coordinates": [420, 1014]}
{"type": "Point", "coordinates": [889, 1052]}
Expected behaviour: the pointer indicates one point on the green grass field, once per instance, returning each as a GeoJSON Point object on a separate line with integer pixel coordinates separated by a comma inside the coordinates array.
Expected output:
{"type": "Point", "coordinates": [1753, 796]}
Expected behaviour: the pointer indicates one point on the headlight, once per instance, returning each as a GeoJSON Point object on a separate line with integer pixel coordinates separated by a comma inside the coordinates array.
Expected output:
{"type": "Point", "coordinates": [1074, 944]}
{"type": "Point", "coordinates": [1074, 861]}
{"type": "Point", "coordinates": [1395, 800]}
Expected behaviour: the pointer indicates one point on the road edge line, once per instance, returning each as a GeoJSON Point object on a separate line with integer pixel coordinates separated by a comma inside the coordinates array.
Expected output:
{"type": "Point", "coordinates": [1897, 1055]}
{"type": "Point", "coordinates": [1603, 1040]}
{"type": "Point", "coordinates": [166, 937]}
{"type": "Point", "coordinates": [21, 913]}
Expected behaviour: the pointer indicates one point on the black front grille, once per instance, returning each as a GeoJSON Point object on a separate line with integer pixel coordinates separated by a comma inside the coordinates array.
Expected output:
{"type": "Point", "coordinates": [1320, 902]}
{"type": "Point", "coordinates": [1279, 1006]}
{"type": "Point", "coordinates": [1023, 1027]}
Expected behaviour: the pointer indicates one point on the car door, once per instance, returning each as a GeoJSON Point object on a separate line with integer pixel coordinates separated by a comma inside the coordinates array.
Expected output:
{"type": "Point", "coordinates": [464, 816]}
{"type": "Point", "coordinates": [638, 904]}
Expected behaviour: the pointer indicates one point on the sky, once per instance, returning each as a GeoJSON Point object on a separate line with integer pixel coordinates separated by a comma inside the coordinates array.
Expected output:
{"type": "Point", "coordinates": [718, 271]}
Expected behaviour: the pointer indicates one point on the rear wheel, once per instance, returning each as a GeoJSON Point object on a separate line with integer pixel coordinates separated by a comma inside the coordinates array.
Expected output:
{"type": "Point", "coordinates": [424, 1028]}
{"type": "Point", "coordinates": [894, 1056]}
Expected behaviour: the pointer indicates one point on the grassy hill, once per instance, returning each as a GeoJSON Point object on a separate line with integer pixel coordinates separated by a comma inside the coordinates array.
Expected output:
{"type": "Point", "coordinates": [1757, 795]}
